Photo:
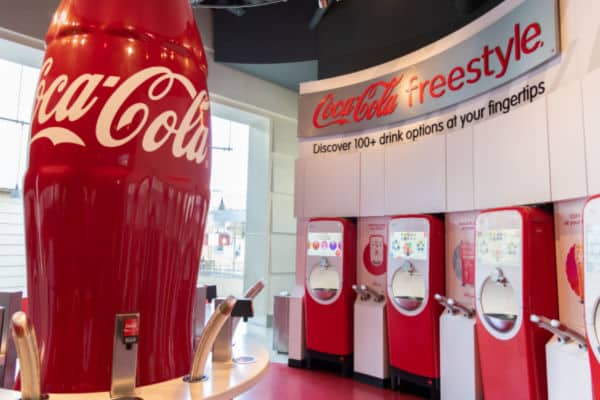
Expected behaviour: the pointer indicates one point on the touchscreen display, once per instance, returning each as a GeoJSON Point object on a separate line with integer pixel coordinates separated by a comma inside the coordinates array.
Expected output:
{"type": "Point", "coordinates": [412, 245]}
{"type": "Point", "coordinates": [325, 244]}
{"type": "Point", "coordinates": [592, 249]}
{"type": "Point", "coordinates": [499, 247]}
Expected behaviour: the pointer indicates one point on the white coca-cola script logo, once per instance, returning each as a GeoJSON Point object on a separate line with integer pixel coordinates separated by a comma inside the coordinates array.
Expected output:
{"type": "Point", "coordinates": [188, 134]}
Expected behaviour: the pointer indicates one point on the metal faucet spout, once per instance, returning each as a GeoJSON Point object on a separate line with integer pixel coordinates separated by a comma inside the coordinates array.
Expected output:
{"type": "Point", "coordinates": [378, 297]}
{"type": "Point", "coordinates": [207, 339]}
{"type": "Point", "coordinates": [28, 352]}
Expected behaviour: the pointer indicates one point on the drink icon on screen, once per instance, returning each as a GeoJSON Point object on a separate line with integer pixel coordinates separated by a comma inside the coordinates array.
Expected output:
{"type": "Point", "coordinates": [332, 246]}
{"type": "Point", "coordinates": [324, 244]}
{"type": "Point", "coordinates": [407, 249]}
{"type": "Point", "coordinates": [316, 245]}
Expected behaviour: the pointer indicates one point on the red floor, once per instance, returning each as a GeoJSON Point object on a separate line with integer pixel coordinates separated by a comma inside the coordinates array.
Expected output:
{"type": "Point", "coordinates": [283, 383]}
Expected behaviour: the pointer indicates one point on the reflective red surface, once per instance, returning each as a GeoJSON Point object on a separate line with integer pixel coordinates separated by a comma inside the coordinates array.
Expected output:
{"type": "Point", "coordinates": [516, 368]}
{"type": "Point", "coordinates": [117, 188]}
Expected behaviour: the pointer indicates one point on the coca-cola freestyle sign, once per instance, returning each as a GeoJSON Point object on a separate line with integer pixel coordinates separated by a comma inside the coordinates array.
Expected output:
{"type": "Point", "coordinates": [521, 40]}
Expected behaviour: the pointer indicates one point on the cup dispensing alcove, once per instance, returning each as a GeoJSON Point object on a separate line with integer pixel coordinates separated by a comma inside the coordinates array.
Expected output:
{"type": "Point", "coordinates": [324, 281]}
{"type": "Point", "coordinates": [408, 287]}
{"type": "Point", "coordinates": [499, 302]}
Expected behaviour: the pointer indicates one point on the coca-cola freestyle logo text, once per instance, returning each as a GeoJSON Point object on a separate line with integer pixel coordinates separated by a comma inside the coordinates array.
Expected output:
{"type": "Point", "coordinates": [382, 98]}
{"type": "Point", "coordinates": [62, 101]}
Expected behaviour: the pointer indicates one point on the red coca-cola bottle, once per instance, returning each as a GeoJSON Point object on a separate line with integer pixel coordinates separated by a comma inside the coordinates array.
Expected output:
{"type": "Point", "coordinates": [117, 189]}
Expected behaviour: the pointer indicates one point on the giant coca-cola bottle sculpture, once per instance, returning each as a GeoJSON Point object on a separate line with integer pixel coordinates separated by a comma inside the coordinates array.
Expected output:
{"type": "Point", "coordinates": [117, 189]}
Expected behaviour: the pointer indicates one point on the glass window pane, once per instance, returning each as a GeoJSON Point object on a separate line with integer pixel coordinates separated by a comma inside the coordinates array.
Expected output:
{"type": "Point", "coordinates": [29, 79]}
{"type": "Point", "coordinates": [224, 246]}
{"type": "Point", "coordinates": [10, 78]}
{"type": "Point", "coordinates": [10, 152]}
{"type": "Point", "coordinates": [24, 154]}
{"type": "Point", "coordinates": [220, 132]}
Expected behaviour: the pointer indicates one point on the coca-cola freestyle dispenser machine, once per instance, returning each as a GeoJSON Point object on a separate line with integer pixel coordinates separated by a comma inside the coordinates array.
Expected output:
{"type": "Point", "coordinates": [515, 277]}
{"type": "Point", "coordinates": [415, 275]}
{"type": "Point", "coordinates": [330, 274]}
{"type": "Point", "coordinates": [591, 240]}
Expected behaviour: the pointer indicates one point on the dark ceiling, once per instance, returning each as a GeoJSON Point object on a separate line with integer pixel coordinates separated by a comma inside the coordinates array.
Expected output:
{"type": "Point", "coordinates": [352, 34]}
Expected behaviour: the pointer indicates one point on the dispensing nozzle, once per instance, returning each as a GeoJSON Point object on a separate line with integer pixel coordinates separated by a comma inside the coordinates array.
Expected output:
{"type": "Point", "coordinates": [466, 311]}
{"type": "Point", "coordinates": [364, 296]}
{"type": "Point", "coordinates": [563, 333]}
{"type": "Point", "coordinates": [25, 340]}
{"type": "Point", "coordinates": [453, 306]}
{"type": "Point", "coordinates": [377, 297]}
{"type": "Point", "coordinates": [207, 339]}
{"type": "Point", "coordinates": [498, 276]}
{"type": "Point", "coordinates": [251, 294]}
{"type": "Point", "coordinates": [444, 301]}
{"type": "Point", "coordinates": [324, 262]}
{"type": "Point", "coordinates": [211, 292]}
{"type": "Point", "coordinates": [255, 289]}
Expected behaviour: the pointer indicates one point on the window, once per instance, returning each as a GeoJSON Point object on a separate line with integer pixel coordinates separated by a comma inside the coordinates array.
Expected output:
{"type": "Point", "coordinates": [224, 242]}
{"type": "Point", "coordinates": [18, 83]}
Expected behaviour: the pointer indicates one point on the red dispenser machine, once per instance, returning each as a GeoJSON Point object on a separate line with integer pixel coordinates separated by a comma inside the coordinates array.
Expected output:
{"type": "Point", "coordinates": [415, 275]}
{"type": "Point", "coordinates": [330, 274]}
{"type": "Point", "coordinates": [515, 276]}
{"type": "Point", "coordinates": [591, 240]}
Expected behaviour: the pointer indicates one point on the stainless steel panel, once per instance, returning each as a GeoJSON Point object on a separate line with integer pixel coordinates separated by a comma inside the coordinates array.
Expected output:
{"type": "Point", "coordinates": [124, 366]}
{"type": "Point", "coordinates": [281, 323]}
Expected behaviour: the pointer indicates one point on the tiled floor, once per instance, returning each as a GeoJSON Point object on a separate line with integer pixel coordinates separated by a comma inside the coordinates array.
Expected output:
{"type": "Point", "coordinates": [283, 383]}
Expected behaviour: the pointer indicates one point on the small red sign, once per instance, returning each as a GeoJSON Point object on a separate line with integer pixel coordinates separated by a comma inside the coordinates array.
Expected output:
{"type": "Point", "coordinates": [131, 327]}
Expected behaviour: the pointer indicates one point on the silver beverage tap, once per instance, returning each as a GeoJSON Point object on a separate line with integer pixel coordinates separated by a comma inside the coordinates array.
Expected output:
{"type": "Point", "coordinates": [125, 355]}
{"type": "Point", "coordinates": [499, 277]}
{"type": "Point", "coordinates": [562, 332]}
{"type": "Point", "coordinates": [466, 311]}
{"type": "Point", "coordinates": [377, 297]}
{"type": "Point", "coordinates": [364, 295]}
{"type": "Point", "coordinates": [28, 353]}
{"type": "Point", "coordinates": [453, 306]}
{"type": "Point", "coordinates": [324, 263]}
{"type": "Point", "coordinates": [204, 294]}
{"type": "Point", "coordinates": [223, 345]}
{"type": "Point", "coordinates": [255, 289]}
{"type": "Point", "coordinates": [444, 302]}
{"type": "Point", "coordinates": [251, 294]}
{"type": "Point", "coordinates": [207, 339]}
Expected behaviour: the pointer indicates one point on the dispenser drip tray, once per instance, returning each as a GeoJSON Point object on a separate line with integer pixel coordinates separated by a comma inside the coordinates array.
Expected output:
{"type": "Point", "coordinates": [409, 303]}
{"type": "Point", "coordinates": [324, 294]}
{"type": "Point", "coordinates": [501, 322]}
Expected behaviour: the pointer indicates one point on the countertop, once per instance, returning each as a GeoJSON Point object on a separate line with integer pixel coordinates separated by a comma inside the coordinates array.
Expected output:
{"type": "Point", "coordinates": [226, 380]}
